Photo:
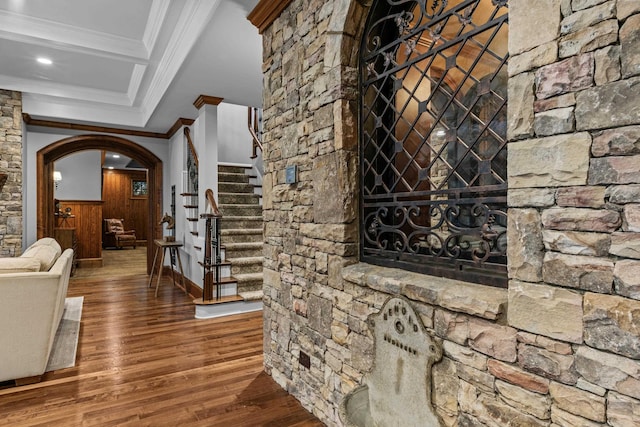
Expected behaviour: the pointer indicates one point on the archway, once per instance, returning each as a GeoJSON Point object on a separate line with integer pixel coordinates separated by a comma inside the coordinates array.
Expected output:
{"type": "Point", "coordinates": [45, 165]}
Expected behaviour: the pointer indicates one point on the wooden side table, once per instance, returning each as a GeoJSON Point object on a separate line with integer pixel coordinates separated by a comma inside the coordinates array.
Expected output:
{"type": "Point", "coordinates": [173, 250]}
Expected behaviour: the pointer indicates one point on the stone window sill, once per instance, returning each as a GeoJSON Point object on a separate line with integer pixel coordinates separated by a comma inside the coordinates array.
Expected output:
{"type": "Point", "coordinates": [477, 300]}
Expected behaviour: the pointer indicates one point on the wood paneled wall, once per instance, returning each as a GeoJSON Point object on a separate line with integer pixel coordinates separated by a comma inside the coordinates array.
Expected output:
{"type": "Point", "coordinates": [87, 220]}
{"type": "Point", "coordinates": [119, 201]}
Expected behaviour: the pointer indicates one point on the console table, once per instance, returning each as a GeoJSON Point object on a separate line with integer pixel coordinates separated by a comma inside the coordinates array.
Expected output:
{"type": "Point", "coordinates": [162, 246]}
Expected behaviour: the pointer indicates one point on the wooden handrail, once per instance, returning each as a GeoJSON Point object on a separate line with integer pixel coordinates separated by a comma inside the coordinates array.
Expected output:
{"type": "Point", "coordinates": [252, 124]}
{"type": "Point", "coordinates": [208, 194]}
{"type": "Point", "coordinates": [192, 148]}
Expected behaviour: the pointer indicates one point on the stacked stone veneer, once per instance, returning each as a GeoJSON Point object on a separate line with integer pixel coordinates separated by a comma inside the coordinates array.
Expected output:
{"type": "Point", "coordinates": [561, 346]}
{"type": "Point", "coordinates": [11, 164]}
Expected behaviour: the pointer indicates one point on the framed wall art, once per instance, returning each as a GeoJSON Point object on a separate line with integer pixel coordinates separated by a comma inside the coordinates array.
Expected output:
{"type": "Point", "coordinates": [139, 188]}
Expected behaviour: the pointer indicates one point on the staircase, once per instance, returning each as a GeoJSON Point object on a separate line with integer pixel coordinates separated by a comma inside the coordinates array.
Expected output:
{"type": "Point", "coordinates": [241, 229]}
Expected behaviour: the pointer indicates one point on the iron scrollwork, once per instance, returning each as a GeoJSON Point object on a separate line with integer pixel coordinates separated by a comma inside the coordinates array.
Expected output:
{"type": "Point", "coordinates": [433, 137]}
{"type": "Point", "coordinates": [454, 231]}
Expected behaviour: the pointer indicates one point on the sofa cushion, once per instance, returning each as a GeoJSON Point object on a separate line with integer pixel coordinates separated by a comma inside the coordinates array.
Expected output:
{"type": "Point", "coordinates": [19, 265]}
{"type": "Point", "coordinates": [46, 254]}
{"type": "Point", "coordinates": [49, 241]}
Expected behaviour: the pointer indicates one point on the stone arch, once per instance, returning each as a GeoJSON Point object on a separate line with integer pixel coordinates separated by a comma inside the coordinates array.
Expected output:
{"type": "Point", "coordinates": [342, 44]}
{"type": "Point", "coordinates": [345, 31]}
{"type": "Point", "coordinates": [46, 157]}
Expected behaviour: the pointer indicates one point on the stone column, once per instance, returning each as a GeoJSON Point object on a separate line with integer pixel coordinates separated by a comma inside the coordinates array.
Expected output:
{"type": "Point", "coordinates": [310, 225]}
{"type": "Point", "coordinates": [11, 164]}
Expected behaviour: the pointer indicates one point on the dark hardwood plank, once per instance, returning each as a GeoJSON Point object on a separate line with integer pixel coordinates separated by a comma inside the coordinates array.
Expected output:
{"type": "Point", "coordinates": [146, 361]}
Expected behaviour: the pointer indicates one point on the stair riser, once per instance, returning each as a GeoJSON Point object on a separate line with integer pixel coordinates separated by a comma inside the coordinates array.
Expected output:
{"type": "Point", "coordinates": [232, 187]}
{"type": "Point", "coordinates": [241, 253]}
{"type": "Point", "coordinates": [242, 238]}
{"type": "Point", "coordinates": [228, 223]}
{"type": "Point", "coordinates": [246, 210]}
{"type": "Point", "coordinates": [225, 271]}
{"type": "Point", "coordinates": [246, 268]}
{"type": "Point", "coordinates": [239, 199]}
{"type": "Point", "coordinates": [254, 285]}
{"type": "Point", "coordinates": [231, 169]}
{"type": "Point", "coordinates": [233, 177]}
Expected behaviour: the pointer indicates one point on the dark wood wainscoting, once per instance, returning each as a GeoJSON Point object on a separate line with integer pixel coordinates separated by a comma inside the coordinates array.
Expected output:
{"type": "Point", "coordinates": [86, 218]}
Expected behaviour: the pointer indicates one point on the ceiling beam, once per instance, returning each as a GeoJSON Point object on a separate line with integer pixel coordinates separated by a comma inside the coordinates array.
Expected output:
{"type": "Point", "coordinates": [102, 129]}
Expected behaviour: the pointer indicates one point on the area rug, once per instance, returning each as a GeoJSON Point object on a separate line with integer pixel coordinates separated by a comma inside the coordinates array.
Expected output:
{"type": "Point", "coordinates": [65, 344]}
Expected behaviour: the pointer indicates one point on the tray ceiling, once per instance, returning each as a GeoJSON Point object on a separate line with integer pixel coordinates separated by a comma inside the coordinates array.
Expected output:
{"type": "Point", "coordinates": [134, 64]}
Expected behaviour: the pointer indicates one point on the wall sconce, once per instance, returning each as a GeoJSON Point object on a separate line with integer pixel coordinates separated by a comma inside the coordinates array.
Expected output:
{"type": "Point", "coordinates": [57, 178]}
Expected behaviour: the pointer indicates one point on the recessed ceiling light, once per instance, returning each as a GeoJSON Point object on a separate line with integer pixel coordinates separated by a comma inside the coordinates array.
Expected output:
{"type": "Point", "coordinates": [110, 167]}
{"type": "Point", "coordinates": [116, 156]}
{"type": "Point", "coordinates": [44, 61]}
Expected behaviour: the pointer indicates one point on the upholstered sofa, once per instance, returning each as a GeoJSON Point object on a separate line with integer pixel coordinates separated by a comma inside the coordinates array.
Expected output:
{"type": "Point", "coordinates": [33, 288]}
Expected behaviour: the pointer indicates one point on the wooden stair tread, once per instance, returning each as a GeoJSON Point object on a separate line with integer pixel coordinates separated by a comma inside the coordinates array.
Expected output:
{"type": "Point", "coordinates": [226, 281]}
{"type": "Point", "coordinates": [221, 300]}
{"type": "Point", "coordinates": [222, 264]}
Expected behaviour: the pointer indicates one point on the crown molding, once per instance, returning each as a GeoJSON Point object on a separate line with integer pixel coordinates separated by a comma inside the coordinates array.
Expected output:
{"type": "Point", "coordinates": [157, 14]}
{"type": "Point", "coordinates": [194, 18]}
{"type": "Point", "coordinates": [207, 100]}
{"type": "Point", "coordinates": [265, 12]}
{"type": "Point", "coordinates": [104, 129]}
{"type": "Point", "coordinates": [135, 82]}
{"type": "Point", "coordinates": [178, 125]}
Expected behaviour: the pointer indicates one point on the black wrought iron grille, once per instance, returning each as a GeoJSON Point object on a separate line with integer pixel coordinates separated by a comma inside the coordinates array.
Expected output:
{"type": "Point", "coordinates": [433, 137]}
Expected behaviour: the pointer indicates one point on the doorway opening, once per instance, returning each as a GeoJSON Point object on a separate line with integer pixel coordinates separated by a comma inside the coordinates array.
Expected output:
{"type": "Point", "coordinates": [47, 157]}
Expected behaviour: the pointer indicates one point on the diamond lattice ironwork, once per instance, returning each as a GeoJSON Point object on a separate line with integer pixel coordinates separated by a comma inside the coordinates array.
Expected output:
{"type": "Point", "coordinates": [433, 137]}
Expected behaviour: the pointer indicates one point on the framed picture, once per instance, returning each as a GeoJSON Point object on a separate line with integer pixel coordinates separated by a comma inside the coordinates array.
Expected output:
{"type": "Point", "coordinates": [139, 188]}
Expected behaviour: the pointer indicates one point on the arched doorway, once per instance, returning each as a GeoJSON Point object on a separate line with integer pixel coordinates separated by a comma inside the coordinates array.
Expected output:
{"type": "Point", "coordinates": [45, 165]}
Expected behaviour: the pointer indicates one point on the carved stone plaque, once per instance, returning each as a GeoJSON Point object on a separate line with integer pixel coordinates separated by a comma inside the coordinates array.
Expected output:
{"type": "Point", "coordinates": [399, 385]}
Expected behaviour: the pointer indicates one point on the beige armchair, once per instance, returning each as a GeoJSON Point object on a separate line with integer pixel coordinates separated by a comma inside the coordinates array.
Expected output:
{"type": "Point", "coordinates": [116, 236]}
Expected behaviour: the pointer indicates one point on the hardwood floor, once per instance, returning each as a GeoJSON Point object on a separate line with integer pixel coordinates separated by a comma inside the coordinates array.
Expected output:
{"type": "Point", "coordinates": [117, 262]}
{"type": "Point", "coordinates": [144, 361]}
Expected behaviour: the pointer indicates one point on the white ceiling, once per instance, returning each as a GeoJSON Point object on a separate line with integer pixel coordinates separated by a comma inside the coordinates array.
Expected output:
{"type": "Point", "coordinates": [137, 64]}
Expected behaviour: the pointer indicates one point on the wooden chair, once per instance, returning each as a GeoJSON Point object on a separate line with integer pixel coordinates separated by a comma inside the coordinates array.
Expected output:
{"type": "Point", "coordinates": [116, 236]}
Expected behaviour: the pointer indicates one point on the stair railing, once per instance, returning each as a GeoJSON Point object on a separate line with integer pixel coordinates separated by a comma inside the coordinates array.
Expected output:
{"type": "Point", "coordinates": [212, 261]}
{"type": "Point", "coordinates": [192, 148]}
{"type": "Point", "coordinates": [212, 202]}
{"type": "Point", "coordinates": [190, 184]}
{"type": "Point", "coordinates": [253, 123]}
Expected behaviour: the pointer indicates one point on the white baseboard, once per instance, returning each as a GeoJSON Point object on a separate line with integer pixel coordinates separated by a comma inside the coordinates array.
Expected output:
{"type": "Point", "coordinates": [227, 309]}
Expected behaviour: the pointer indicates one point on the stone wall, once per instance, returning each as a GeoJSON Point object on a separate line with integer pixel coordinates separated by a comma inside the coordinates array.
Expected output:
{"type": "Point", "coordinates": [561, 346]}
{"type": "Point", "coordinates": [11, 164]}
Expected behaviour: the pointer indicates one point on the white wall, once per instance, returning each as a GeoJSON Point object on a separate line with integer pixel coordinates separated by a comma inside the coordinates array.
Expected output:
{"type": "Point", "coordinates": [233, 134]}
{"type": "Point", "coordinates": [81, 176]}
